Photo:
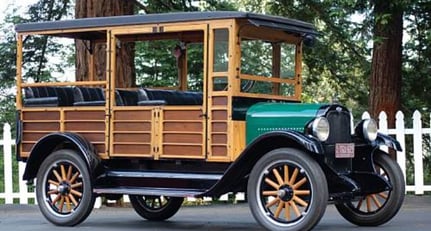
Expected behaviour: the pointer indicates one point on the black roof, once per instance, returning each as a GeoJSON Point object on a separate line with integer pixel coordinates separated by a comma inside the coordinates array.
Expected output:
{"type": "Point", "coordinates": [286, 24]}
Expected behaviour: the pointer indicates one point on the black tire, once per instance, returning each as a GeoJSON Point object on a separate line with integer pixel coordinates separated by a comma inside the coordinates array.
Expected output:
{"type": "Point", "coordinates": [156, 208]}
{"type": "Point", "coordinates": [381, 207]}
{"type": "Point", "coordinates": [289, 182]}
{"type": "Point", "coordinates": [64, 189]}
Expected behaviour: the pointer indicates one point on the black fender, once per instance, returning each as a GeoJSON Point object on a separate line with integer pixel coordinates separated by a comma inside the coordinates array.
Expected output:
{"type": "Point", "coordinates": [383, 139]}
{"type": "Point", "coordinates": [238, 170]}
{"type": "Point", "coordinates": [59, 140]}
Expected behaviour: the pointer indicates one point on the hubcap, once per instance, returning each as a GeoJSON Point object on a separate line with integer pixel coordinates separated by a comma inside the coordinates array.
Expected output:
{"type": "Point", "coordinates": [285, 193]}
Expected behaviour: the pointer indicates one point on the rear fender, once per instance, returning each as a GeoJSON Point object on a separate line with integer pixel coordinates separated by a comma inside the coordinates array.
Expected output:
{"type": "Point", "coordinates": [55, 141]}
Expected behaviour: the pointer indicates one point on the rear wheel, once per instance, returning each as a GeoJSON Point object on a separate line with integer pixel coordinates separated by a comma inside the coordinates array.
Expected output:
{"type": "Point", "coordinates": [287, 190]}
{"type": "Point", "coordinates": [64, 188]}
{"type": "Point", "coordinates": [156, 208]}
{"type": "Point", "coordinates": [379, 208]}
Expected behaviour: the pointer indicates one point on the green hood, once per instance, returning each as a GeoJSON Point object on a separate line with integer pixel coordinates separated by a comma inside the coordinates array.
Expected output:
{"type": "Point", "coordinates": [266, 117]}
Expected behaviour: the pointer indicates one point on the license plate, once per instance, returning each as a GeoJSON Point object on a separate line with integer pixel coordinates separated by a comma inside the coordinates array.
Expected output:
{"type": "Point", "coordinates": [346, 150]}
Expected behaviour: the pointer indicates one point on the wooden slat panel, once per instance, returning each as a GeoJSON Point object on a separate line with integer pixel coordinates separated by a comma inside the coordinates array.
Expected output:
{"type": "Point", "coordinates": [26, 147]}
{"type": "Point", "coordinates": [132, 126]}
{"type": "Point", "coordinates": [182, 115]}
{"type": "Point", "coordinates": [219, 114]}
{"type": "Point", "coordinates": [132, 137]}
{"type": "Point", "coordinates": [182, 138]}
{"type": "Point", "coordinates": [219, 139]}
{"type": "Point", "coordinates": [100, 148]}
{"type": "Point", "coordinates": [183, 126]}
{"type": "Point", "coordinates": [219, 100]}
{"type": "Point", "coordinates": [131, 149]}
{"type": "Point", "coordinates": [41, 115]}
{"type": "Point", "coordinates": [182, 150]}
{"type": "Point", "coordinates": [94, 137]}
{"type": "Point", "coordinates": [84, 126]}
{"type": "Point", "coordinates": [33, 136]}
{"type": "Point", "coordinates": [219, 150]}
{"type": "Point", "coordinates": [132, 115]}
{"type": "Point", "coordinates": [84, 115]}
{"type": "Point", "coordinates": [39, 126]}
{"type": "Point", "coordinates": [219, 127]}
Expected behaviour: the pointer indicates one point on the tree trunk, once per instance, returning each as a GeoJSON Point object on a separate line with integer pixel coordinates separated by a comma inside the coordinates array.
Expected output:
{"type": "Point", "coordinates": [385, 82]}
{"type": "Point", "coordinates": [125, 75]}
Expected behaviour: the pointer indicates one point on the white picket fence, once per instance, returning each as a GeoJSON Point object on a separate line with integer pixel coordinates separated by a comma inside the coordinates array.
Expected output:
{"type": "Point", "coordinates": [400, 133]}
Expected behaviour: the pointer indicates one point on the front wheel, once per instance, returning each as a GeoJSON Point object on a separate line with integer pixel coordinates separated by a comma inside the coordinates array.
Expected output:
{"type": "Point", "coordinates": [287, 190]}
{"type": "Point", "coordinates": [156, 208]}
{"type": "Point", "coordinates": [64, 188]}
{"type": "Point", "coordinates": [377, 209]}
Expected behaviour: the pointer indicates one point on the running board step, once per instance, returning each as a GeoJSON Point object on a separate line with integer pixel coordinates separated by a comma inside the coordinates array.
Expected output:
{"type": "Point", "coordinates": [171, 192]}
{"type": "Point", "coordinates": [132, 181]}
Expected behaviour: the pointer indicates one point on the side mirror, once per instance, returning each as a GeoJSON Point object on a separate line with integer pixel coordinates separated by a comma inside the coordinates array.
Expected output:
{"type": "Point", "coordinates": [309, 40]}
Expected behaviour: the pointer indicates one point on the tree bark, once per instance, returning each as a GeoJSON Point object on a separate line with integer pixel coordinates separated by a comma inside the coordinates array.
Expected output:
{"type": "Point", "coordinates": [385, 81]}
{"type": "Point", "coordinates": [125, 74]}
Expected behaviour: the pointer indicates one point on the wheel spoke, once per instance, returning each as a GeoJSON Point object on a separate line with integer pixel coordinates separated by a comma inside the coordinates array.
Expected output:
{"type": "Point", "coordinates": [56, 199]}
{"type": "Point", "coordinates": [368, 199]}
{"type": "Point", "coordinates": [383, 195]}
{"type": "Point", "coordinates": [277, 176]}
{"type": "Point", "coordinates": [63, 172]}
{"type": "Point", "coordinates": [273, 202]}
{"type": "Point", "coordinates": [295, 208]}
{"type": "Point", "coordinates": [76, 193]}
{"type": "Point", "coordinates": [57, 175]}
{"type": "Point", "coordinates": [54, 183]}
{"type": "Point", "coordinates": [55, 191]}
{"type": "Point", "coordinates": [72, 198]}
{"type": "Point", "coordinates": [74, 177]}
{"type": "Point", "coordinates": [272, 183]}
{"type": "Point", "coordinates": [60, 207]}
{"type": "Point", "coordinates": [294, 175]}
{"type": "Point", "coordinates": [376, 201]}
{"type": "Point", "coordinates": [68, 204]}
{"type": "Point", "coordinates": [286, 174]}
{"type": "Point", "coordinates": [279, 208]}
{"type": "Point", "coordinates": [302, 192]}
{"type": "Point", "coordinates": [299, 183]}
{"type": "Point", "coordinates": [300, 201]}
{"type": "Point", "coordinates": [69, 173]}
{"type": "Point", "coordinates": [358, 206]}
{"type": "Point", "coordinates": [287, 210]}
{"type": "Point", "coordinates": [270, 193]}
{"type": "Point", "coordinates": [76, 185]}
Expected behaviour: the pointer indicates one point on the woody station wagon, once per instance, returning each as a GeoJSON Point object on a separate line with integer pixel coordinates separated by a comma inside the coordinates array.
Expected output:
{"type": "Point", "coordinates": [227, 117]}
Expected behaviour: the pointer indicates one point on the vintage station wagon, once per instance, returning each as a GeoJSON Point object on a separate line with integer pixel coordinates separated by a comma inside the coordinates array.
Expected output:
{"type": "Point", "coordinates": [226, 117]}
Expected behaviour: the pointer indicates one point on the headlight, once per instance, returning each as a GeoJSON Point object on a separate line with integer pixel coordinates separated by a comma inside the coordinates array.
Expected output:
{"type": "Point", "coordinates": [320, 128]}
{"type": "Point", "coordinates": [367, 129]}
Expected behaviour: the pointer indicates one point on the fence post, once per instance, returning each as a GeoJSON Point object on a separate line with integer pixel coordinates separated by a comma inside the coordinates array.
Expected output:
{"type": "Point", "coordinates": [400, 136]}
{"type": "Point", "coordinates": [417, 152]}
{"type": "Point", "coordinates": [7, 152]}
{"type": "Point", "coordinates": [383, 128]}
{"type": "Point", "coordinates": [23, 191]}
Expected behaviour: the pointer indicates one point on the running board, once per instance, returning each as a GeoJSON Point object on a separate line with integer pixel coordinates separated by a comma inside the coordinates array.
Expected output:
{"type": "Point", "coordinates": [171, 192]}
{"type": "Point", "coordinates": [155, 183]}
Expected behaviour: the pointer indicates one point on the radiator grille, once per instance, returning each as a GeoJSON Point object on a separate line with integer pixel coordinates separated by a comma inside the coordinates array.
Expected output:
{"type": "Point", "coordinates": [339, 122]}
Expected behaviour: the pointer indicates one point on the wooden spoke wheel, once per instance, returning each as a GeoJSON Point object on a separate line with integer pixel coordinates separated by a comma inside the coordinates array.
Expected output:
{"type": "Point", "coordinates": [379, 208]}
{"type": "Point", "coordinates": [287, 190]}
{"type": "Point", "coordinates": [64, 190]}
{"type": "Point", "coordinates": [156, 208]}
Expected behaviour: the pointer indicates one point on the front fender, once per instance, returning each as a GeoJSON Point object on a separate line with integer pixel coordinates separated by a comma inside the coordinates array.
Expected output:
{"type": "Point", "coordinates": [238, 170]}
{"type": "Point", "coordinates": [54, 141]}
{"type": "Point", "coordinates": [383, 139]}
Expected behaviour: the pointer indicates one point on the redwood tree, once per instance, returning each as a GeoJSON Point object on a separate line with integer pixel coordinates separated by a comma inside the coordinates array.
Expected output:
{"type": "Point", "coordinates": [125, 76]}
{"type": "Point", "coordinates": [385, 81]}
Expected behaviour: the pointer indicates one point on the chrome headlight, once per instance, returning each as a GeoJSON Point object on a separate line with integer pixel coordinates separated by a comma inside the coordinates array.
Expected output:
{"type": "Point", "coordinates": [367, 129]}
{"type": "Point", "coordinates": [320, 128]}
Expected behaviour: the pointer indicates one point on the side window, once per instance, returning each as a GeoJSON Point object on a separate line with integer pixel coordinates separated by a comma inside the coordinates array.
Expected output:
{"type": "Point", "coordinates": [220, 58]}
